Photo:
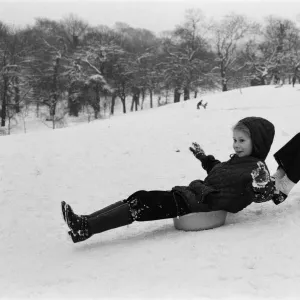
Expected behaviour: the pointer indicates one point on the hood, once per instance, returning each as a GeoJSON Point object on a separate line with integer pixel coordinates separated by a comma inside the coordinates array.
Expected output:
{"type": "Point", "coordinates": [262, 135]}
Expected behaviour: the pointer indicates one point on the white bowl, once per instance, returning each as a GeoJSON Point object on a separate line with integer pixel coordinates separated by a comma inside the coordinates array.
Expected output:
{"type": "Point", "coordinates": [200, 221]}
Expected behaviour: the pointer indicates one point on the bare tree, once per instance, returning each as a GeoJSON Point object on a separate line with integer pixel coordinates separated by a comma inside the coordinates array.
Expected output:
{"type": "Point", "coordinates": [281, 46]}
{"type": "Point", "coordinates": [74, 29]}
{"type": "Point", "coordinates": [228, 36]}
{"type": "Point", "coordinates": [186, 51]}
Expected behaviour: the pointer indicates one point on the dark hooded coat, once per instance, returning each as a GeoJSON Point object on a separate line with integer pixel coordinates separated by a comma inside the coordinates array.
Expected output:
{"type": "Point", "coordinates": [236, 183]}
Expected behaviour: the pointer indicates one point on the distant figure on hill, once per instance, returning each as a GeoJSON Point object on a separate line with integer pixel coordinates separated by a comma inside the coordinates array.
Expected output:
{"type": "Point", "coordinates": [200, 103]}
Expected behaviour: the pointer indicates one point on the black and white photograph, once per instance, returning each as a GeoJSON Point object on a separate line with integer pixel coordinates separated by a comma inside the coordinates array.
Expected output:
{"type": "Point", "coordinates": [149, 149]}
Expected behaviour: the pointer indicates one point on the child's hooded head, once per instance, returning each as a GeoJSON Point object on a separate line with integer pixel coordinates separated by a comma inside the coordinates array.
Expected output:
{"type": "Point", "coordinates": [253, 136]}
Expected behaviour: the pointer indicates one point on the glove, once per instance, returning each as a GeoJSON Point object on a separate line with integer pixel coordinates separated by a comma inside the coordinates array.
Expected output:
{"type": "Point", "coordinates": [197, 151]}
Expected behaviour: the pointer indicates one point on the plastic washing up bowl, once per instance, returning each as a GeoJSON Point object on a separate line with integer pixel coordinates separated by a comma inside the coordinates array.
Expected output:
{"type": "Point", "coordinates": [200, 221]}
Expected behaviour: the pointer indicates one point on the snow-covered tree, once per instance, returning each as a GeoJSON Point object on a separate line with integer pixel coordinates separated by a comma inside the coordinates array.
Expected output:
{"type": "Point", "coordinates": [73, 29]}
{"type": "Point", "coordinates": [280, 46]}
{"type": "Point", "coordinates": [187, 55]}
{"type": "Point", "coordinates": [14, 51]}
{"type": "Point", "coordinates": [228, 36]}
{"type": "Point", "coordinates": [50, 65]}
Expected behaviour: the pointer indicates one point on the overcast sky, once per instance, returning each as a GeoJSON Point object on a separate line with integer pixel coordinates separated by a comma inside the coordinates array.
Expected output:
{"type": "Point", "coordinates": [153, 15]}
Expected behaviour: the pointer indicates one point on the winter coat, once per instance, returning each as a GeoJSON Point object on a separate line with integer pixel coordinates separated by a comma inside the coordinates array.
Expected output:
{"type": "Point", "coordinates": [238, 182]}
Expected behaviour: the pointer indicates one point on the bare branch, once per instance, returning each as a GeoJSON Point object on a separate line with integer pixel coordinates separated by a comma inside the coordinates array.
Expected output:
{"type": "Point", "coordinates": [50, 46]}
{"type": "Point", "coordinates": [92, 66]}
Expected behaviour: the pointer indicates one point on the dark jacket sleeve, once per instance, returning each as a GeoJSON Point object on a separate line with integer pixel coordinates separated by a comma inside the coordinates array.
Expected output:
{"type": "Point", "coordinates": [208, 162]}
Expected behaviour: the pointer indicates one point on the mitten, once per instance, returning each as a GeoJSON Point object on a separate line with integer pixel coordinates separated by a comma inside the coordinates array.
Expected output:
{"type": "Point", "coordinates": [197, 151]}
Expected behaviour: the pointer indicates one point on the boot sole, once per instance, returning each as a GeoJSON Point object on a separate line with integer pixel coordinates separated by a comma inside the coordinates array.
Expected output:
{"type": "Point", "coordinates": [63, 210]}
{"type": "Point", "coordinates": [72, 236]}
{"type": "Point", "coordinates": [66, 209]}
{"type": "Point", "coordinates": [76, 238]}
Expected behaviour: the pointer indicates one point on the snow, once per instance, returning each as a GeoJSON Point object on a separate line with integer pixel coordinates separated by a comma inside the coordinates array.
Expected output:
{"type": "Point", "coordinates": [256, 254]}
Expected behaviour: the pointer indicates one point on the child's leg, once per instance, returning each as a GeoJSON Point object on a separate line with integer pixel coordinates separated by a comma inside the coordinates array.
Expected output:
{"type": "Point", "coordinates": [83, 227]}
{"type": "Point", "coordinates": [140, 206]}
{"type": "Point", "coordinates": [156, 205]}
{"type": "Point", "coordinates": [105, 209]}
{"type": "Point", "coordinates": [96, 213]}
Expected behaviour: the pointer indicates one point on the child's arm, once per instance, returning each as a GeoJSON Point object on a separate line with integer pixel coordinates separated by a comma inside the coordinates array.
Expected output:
{"type": "Point", "coordinates": [263, 186]}
{"type": "Point", "coordinates": [208, 161]}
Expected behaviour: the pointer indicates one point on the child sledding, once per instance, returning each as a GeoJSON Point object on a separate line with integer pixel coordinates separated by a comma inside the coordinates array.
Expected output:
{"type": "Point", "coordinates": [230, 186]}
{"type": "Point", "coordinates": [200, 103]}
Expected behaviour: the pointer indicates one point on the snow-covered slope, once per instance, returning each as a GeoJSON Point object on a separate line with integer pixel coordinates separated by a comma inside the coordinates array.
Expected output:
{"type": "Point", "coordinates": [255, 255]}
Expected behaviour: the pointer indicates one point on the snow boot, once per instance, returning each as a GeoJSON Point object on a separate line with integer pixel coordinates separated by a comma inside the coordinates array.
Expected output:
{"type": "Point", "coordinates": [67, 210]}
{"type": "Point", "coordinates": [113, 218]}
{"type": "Point", "coordinates": [63, 209]}
{"type": "Point", "coordinates": [75, 222]}
{"type": "Point", "coordinates": [76, 237]}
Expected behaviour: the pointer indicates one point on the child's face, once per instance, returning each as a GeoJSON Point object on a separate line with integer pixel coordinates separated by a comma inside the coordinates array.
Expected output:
{"type": "Point", "coordinates": [242, 143]}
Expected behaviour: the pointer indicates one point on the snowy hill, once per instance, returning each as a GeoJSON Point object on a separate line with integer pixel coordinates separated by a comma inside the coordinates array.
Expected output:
{"type": "Point", "coordinates": [255, 255]}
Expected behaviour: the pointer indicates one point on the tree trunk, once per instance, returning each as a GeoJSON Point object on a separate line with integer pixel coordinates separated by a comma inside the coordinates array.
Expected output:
{"type": "Point", "coordinates": [132, 103]}
{"type": "Point", "coordinates": [137, 100]}
{"type": "Point", "coordinates": [186, 94]}
{"type": "Point", "coordinates": [73, 104]}
{"type": "Point", "coordinates": [123, 100]}
{"type": "Point", "coordinates": [113, 102]}
{"type": "Point", "coordinates": [122, 95]}
{"type": "Point", "coordinates": [151, 98]}
{"type": "Point", "coordinates": [176, 95]}
{"type": "Point", "coordinates": [74, 107]}
{"type": "Point", "coordinates": [24, 123]}
{"type": "Point", "coordinates": [54, 95]}
{"type": "Point", "coordinates": [96, 112]}
{"type": "Point", "coordinates": [75, 39]}
{"type": "Point", "coordinates": [143, 98]}
{"type": "Point", "coordinates": [224, 85]}
{"type": "Point", "coordinates": [52, 111]}
{"type": "Point", "coordinates": [17, 95]}
{"type": "Point", "coordinates": [4, 102]}
{"type": "Point", "coordinates": [223, 78]}
{"type": "Point", "coordinates": [37, 109]}
{"type": "Point", "coordinates": [9, 125]}
{"type": "Point", "coordinates": [97, 104]}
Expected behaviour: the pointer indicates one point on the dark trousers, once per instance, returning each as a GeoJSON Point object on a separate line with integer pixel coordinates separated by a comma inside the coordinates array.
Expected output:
{"type": "Point", "coordinates": [156, 205]}
{"type": "Point", "coordinates": [140, 206]}
{"type": "Point", "coordinates": [288, 158]}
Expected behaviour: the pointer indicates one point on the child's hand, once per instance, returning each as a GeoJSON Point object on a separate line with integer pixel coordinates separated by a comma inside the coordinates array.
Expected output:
{"type": "Point", "coordinates": [197, 150]}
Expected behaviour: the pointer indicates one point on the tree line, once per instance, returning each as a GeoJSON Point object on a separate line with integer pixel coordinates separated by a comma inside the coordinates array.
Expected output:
{"type": "Point", "coordinates": [89, 67]}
